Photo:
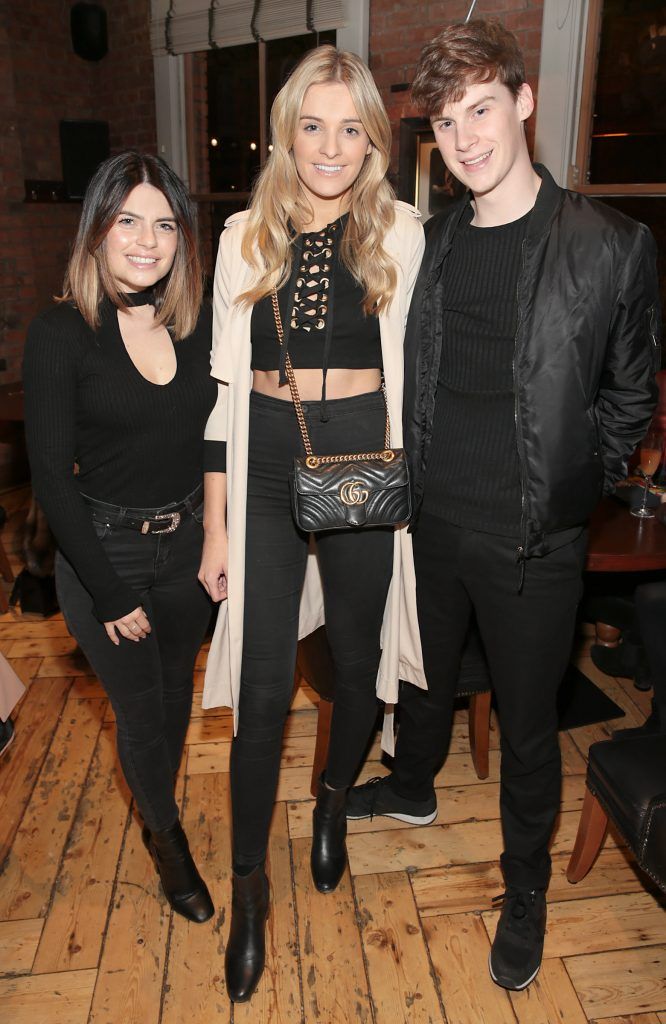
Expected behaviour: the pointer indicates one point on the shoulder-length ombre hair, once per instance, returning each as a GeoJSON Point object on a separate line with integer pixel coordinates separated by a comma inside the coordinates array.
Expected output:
{"type": "Point", "coordinates": [88, 278]}
{"type": "Point", "coordinates": [278, 200]}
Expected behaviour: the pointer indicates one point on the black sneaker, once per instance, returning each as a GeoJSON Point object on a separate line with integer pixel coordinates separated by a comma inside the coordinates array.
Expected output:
{"type": "Point", "coordinates": [376, 798]}
{"type": "Point", "coordinates": [6, 735]}
{"type": "Point", "coordinates": [515, 955]}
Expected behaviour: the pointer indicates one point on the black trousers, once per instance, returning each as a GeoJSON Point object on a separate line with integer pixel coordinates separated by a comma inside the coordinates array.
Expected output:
{"type": "Point", "coordinates": [355, 567]}
{"type": "Point", "coordinates": [527, 637]}
{"type": "Point", "coordinates": [149, 683]}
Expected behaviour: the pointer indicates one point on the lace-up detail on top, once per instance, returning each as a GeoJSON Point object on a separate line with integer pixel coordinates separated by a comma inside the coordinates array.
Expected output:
{"type": "Point", "coordinates": [313, 283]}
{"type": "Point", "coordinates": [321, 306]}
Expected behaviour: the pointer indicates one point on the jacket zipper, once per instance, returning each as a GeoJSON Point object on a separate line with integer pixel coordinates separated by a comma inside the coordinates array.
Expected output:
{"type": "Point", "coordinates": [428, 288]}
{"type": "Point", "coordinates": [520, 550]}
{"type": "Point", "coordinates": [652, 333]}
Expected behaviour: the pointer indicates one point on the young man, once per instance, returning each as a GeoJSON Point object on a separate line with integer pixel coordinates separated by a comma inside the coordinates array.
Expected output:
{"type": "Point", "coordinates": [531, 353]}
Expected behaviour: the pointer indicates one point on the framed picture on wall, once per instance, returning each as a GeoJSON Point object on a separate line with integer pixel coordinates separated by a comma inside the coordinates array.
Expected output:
{"type": "Point", "coordinates": [423, 179]}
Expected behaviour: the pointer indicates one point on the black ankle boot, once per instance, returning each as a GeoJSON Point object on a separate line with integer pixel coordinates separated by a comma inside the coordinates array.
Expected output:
{"type": "Point", "coordinates": [183, 886]}
{"type": "Point", "coordinates": [329, 831]}
{"type": "Point", "coordinates": [246, 948]}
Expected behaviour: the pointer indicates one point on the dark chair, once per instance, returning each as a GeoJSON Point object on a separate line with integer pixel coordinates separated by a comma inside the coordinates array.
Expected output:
{"type": "Point", "coordinates": [314, 663]}
{"type": "Point", "coordinates": [626, 783]}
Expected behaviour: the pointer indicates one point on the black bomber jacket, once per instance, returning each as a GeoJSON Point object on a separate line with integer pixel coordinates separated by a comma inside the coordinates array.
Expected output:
{"type": "Point", "coordinates": [586, 354]}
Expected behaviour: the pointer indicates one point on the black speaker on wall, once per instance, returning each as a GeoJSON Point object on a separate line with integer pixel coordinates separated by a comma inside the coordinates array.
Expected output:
{"type": "Point", "coordinates": [83, 146]}
{"type": "Point", "coordinates": [88, 28]}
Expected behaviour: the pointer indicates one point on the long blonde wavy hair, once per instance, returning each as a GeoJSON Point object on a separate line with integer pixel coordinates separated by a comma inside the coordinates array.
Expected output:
{"type": "Point", "coordinates": [279, 203]}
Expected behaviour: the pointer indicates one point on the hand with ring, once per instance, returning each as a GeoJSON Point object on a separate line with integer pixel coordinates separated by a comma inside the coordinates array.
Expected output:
{"type": "Point", "coordinates": [133, 626]}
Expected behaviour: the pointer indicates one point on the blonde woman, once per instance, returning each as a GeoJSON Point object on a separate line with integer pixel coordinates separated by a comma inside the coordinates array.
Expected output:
{"type": "Point", "coordinates": [116, 380]}
{"type": "Point", "coordinates": [323, 229]}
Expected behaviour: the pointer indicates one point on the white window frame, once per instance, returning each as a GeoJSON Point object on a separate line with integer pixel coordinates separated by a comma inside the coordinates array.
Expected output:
{"type": "Point", "coordinates": [170, 88]}
{"type": "Point", "coordinates": [566, 96]}
{"type": "Point", "coordinates": [560, 73]}
{"type": "Point", "coordinates": [170, 113]}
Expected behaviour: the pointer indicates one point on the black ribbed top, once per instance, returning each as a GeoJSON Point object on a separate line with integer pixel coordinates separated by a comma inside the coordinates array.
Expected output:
{"type": "Point", "coordinates": [473, 476]}
{"type": "Point", "coordinates": [316, 307]}
{"type": "Point", "coordinates": [136, 444]}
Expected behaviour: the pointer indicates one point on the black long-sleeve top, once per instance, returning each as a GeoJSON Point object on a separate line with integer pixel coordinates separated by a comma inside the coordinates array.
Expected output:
{"type": "Point", "coordinates": [473, 475]}
{"type": "Point", "coordinates": [136, 444]}
{"type": "Point", "coordinates": [322, 312]}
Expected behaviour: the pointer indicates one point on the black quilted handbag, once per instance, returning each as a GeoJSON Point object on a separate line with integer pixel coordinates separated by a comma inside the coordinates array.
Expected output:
{"type": "Point", "coordinates": [331, 492]}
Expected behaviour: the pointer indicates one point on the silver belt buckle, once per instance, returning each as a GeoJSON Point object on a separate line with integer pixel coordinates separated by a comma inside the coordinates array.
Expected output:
{"type": "Point", "coordinates": [173, 525]}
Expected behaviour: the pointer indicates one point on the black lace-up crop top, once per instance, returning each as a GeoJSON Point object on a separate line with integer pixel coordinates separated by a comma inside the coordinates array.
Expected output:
{"type": "Point", "coordinates": [322, 313]}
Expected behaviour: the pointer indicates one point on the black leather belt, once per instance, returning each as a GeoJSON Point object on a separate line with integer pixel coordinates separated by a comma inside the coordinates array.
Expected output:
{"type": "Point", "coordinates": [146, 520]}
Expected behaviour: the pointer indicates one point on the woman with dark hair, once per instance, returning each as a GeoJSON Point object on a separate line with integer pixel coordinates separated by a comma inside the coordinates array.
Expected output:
{"type": "Point", "coordinates": [118, 391]}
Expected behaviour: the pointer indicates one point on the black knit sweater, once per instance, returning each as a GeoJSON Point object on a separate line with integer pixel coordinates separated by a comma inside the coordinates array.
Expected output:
{"type": "Point", "coordinates": [473, 476]}
{"type": "Point", "coordinates": [135, 443]}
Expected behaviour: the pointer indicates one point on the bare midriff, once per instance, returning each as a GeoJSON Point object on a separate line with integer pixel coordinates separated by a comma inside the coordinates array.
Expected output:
{"type": "Point", "coordinates": [340, 383]}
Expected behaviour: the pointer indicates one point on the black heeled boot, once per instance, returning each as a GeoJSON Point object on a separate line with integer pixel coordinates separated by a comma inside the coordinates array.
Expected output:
{"type": "Point", "coordinates": [246, 949]}
{"type": "Point", "coordinates": [329, 852]}
{"type": "Point", "coordinates": [183, 886]}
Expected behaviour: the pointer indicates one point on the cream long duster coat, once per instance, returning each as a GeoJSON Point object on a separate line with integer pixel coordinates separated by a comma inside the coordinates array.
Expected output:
{"type": "Point", "coordinates": [401, 646]}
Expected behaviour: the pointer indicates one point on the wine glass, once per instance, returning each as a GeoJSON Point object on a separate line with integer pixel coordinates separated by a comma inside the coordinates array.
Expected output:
{"type": "Point", "coordinates": [652, 447]}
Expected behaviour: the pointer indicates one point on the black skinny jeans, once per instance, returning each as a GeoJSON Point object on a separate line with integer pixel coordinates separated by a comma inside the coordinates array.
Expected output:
{"type": "Point", "coordinates": [355, 567]}
{"type": "Point", "coordinates": [527, 638]}
{"type": "Point", "coordinates": [149, 683]}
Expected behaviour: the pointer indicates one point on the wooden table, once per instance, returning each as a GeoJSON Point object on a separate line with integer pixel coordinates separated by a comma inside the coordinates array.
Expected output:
{"type": "Point", "coordinates": [620, 542]}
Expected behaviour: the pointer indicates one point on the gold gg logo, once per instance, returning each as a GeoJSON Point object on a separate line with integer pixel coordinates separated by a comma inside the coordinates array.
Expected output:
{"type": "Point", "coordinates": [353, 493]}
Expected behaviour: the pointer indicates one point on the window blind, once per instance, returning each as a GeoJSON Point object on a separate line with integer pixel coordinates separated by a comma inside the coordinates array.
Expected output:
{"type": "Point", "coordinates": [186, 26]}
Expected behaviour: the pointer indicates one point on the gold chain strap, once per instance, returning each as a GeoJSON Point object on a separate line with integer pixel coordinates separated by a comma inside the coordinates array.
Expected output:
{"type": "Point", "coordinates": [318, 460]}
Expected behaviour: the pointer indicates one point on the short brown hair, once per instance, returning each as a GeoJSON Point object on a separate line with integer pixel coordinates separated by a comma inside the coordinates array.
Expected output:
{"type": "Point", "coordinates": [178, 295]}
{"type": "Point", "coordinates": [462, 55]}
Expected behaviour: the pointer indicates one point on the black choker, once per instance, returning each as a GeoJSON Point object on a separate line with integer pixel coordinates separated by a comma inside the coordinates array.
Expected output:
{"type": "Point", "coordinates": [143, 298]}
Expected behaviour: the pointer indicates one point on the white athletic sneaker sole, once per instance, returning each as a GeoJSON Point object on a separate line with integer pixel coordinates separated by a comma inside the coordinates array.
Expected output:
{"type": "Point", "coordinates": [409, 819]}
{"type": "Point", "coordinates": [512, 988]}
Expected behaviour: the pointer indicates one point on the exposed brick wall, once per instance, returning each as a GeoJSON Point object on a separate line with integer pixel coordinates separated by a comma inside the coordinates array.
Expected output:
{"type": "Point", "coordinates": [127, 87]}
{"type": "Point", "coordinates": [400, 28]}
{"type": "Point", "coordinates": [42, 81]}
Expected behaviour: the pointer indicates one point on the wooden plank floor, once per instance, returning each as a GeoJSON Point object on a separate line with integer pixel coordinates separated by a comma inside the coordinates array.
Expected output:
{"type": "Point", "coordinates": [86, 936]}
